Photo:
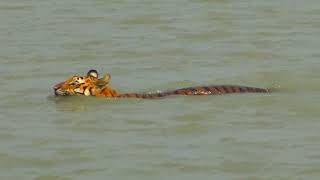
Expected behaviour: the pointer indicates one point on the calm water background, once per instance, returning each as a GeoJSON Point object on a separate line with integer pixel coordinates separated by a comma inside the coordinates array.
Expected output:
{"type": "Point", "coordinates": [156, 45]}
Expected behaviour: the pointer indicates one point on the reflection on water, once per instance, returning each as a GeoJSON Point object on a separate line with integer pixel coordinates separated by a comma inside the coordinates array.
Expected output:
{"type": "Point", "coordinates": [72, 103]}
{"type": "Point", "coordinates": [159, 45]}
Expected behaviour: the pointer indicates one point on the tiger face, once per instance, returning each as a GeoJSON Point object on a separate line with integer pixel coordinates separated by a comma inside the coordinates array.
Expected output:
{"type": "Point", "coordinates": [89, 85]}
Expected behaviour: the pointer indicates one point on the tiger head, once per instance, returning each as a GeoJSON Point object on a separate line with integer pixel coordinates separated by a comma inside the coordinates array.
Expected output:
{"type": "Point", "coordinates": [89, 85]}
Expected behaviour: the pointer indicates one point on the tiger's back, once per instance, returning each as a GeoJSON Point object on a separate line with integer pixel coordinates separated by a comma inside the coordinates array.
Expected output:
{"type": "Point", "coordinates": [198, 90]}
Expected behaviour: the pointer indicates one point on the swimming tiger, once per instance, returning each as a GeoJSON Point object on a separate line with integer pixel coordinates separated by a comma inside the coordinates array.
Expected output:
{"type": "Point", "coordinates": [92, 85]}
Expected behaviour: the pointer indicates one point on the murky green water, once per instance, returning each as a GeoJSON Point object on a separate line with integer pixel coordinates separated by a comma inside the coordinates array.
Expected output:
{"type": "Point", "coordinates": [157, 45]}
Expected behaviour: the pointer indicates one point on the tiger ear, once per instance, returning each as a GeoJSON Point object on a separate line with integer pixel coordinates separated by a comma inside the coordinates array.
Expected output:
{"type": "Point", "coordinates": [103, 81]}
{"type": "Point", "coordinates": [93, 73]}
{"type": "Point", "coordinates": [106, 78]}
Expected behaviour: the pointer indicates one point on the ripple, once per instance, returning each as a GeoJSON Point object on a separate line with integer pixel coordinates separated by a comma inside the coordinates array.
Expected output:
{"type": "Point", "coordinates": [145, 20]}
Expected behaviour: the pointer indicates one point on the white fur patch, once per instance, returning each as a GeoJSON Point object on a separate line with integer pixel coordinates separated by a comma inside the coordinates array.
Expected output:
{"type": "Point", "coordinates": [87, 92]}
{"type": "Point", "coordinates": [78, 90]}
{"type": "Point", "coordinates": [80, 81]}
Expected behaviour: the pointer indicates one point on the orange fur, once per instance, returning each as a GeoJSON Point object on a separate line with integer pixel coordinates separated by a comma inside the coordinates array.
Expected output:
{"type": "Point", "coordinates": [107, 92]}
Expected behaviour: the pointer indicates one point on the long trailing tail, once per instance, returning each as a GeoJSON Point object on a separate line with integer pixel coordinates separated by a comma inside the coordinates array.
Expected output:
{"type": "Point", "coordinates": [199, 90]}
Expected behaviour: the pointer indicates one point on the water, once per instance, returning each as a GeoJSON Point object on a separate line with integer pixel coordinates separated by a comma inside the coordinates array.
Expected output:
{"type": "Point", "coordinates": [157, 45]}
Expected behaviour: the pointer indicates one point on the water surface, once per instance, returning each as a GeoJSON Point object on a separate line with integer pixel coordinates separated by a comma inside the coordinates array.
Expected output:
{"type": "Point", "coordinates": [157, 45]}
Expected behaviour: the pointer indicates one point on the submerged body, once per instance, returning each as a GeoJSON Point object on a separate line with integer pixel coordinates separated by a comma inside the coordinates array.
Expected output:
{"type": "Point", "coordinates": [91, 85]}
{"type": "Point", "coordinates": [199, 90]}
